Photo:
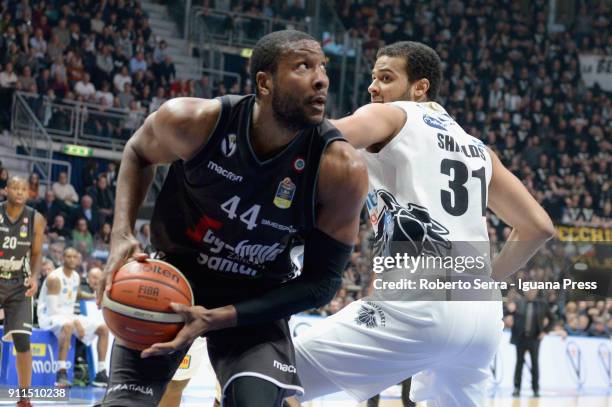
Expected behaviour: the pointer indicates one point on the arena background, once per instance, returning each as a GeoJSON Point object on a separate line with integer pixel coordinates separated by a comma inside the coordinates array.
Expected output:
{"type": "Point", "coordinates": [531, 79]}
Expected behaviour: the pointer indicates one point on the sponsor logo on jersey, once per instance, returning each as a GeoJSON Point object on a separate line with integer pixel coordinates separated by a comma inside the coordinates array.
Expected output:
{"type": "Point", "coordinates": [23, 231]}
{"type": "Point", "coordinates": [370, 315]}
{"type": "Point", "coordinates": [435, 122]}
{"type": "Point", "coordinates": [284, 228]}
{"type": "Point", "coordinates": [408, 224]}
{"type": "Point", "coordinates": [132, 388]}
{"type": "Point", "coordinates": [228, 145]}
{"type": "Point", "coordinates": [283, 367]}
{"type": "Point", "coordinates": [1, 253]}
{"type": "Point", "coordinates": [299, 164]}
{"type": "Point", "coordinates": [225, 265]}
{"type": "Point", "coordinates": [284, 193]}
{"type": "Point", "coordinates": [197, 233]}
{"type": "Point", "coordinates": [223, 172]}
{"type": "Point", "coordinates": [244, 250]}
{"type": "Point", "coordinates": [10, 265]}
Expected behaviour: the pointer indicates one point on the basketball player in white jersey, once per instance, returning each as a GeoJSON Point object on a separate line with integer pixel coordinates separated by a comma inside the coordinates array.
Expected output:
{"type": "Point", "coordinates": [58, 295]}
{"type": "Point", "coordinates": [430, 183]}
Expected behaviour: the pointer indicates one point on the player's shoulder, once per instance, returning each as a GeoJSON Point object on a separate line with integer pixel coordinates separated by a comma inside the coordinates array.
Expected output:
{"type": "Point", "coordinates": [187, 111]}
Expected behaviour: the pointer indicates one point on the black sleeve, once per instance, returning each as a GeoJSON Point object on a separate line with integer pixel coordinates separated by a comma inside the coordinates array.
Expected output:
{"type": "Point", "coordinates": [324, 262]}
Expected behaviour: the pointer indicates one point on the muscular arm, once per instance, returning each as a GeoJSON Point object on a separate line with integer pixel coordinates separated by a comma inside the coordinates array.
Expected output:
{"type": "Point", "coordinates": [531, 225]}
{"type": "Point", "coordinates": [371, 124]}
{"type": "Point", "coordinates": [176, 131]}
{"type": "Point", "coordinates": [341, 191]}
{"type": "Point", "coordinates": [53, 290]}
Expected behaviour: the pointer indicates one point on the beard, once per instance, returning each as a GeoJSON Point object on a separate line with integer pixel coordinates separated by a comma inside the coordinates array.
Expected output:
{"type": "Point", "coordinates": [289, 110]}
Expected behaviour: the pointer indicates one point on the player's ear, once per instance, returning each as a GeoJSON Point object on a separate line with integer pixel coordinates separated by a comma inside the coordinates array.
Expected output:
{"type": "Point", "coordinates": [420, 88]}
{"type": "Point", "coordinates": [263, 81]}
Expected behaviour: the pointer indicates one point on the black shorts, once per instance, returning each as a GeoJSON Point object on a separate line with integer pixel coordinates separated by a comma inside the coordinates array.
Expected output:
{"type": "Point", "coordinates": [17, 307]}
{"type": "Point", "coordinates": [264, 351]}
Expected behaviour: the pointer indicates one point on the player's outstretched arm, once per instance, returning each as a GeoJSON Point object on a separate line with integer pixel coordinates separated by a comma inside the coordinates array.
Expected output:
{"type": "Point", "coordinates": [371, 124]}
{"type": "Point", "coordinates": [531, 225]}
{"type": "Point", "coordinates": [176, 131]}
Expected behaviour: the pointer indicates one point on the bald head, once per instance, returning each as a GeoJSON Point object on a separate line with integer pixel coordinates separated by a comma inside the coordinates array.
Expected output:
{"type": "Point", "coordinates": [94, 276]}
{"type": "Point", "coordinates": [17, 191]}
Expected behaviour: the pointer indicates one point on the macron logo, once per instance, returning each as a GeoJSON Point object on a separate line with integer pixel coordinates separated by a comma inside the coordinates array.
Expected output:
{"type": "Point", "coordinates": [223, 172]}
{"type": "Point", "coordinates": [284, 368]}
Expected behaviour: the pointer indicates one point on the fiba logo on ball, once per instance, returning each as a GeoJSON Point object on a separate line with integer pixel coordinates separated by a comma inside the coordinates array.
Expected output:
{"type": "Point", "coordinates": [228, 145]}
{"type": "Point", "coordinates": [574, 357]}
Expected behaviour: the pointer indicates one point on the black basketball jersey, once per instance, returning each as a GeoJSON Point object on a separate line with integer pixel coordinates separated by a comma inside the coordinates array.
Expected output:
{"type": "Point", "coordinates": [226, 214]}
{"type": "Point", "coordinates": [16, 240]}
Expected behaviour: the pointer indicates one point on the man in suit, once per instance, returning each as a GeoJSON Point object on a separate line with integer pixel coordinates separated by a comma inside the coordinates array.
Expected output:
{"type": "Point", "coordinates": [532, 320]}
{"type": "Point", "coordinates": [49, 207]}
{"type": "Point", "coordinates": [88, 211]}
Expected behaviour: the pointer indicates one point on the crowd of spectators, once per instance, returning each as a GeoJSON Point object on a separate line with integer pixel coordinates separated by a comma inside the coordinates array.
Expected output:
{"type": "Point", "coordinates": [508, 80]}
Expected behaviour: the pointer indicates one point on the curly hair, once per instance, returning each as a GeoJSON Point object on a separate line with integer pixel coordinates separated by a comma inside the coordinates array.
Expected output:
{"type": "Point", "coordinates": [421, 62]}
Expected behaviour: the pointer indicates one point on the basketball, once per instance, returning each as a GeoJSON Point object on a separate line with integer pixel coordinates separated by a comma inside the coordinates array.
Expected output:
{"type": "Point", "coordinates": [137, 309]}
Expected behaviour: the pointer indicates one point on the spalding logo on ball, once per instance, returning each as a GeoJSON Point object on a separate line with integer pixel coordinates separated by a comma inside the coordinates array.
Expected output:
{"type": "Point", "coordinates": [137, 309]}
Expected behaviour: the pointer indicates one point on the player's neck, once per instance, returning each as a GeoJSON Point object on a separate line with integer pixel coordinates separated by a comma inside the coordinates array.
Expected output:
{"type": "Point", "coordinates": [67, 271]}
{"type": "Point", "coordinates": [14, 211]}
{"type": "Point", "coordinates": [267, 135]}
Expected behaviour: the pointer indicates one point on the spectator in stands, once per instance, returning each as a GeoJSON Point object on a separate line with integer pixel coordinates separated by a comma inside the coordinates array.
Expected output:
{"type": "Point", "coordinates": [123, 42]}
{"type": "Point", "coordinates": [203, 88]}
{"type": "Point", "coordinates": [138, 63]}
{"type": "Point", "coordinates": [121, 78]}
{"type": "Point", "coordinates": [111, 176]}
{"type": "Point", "coordinates": [59, 229]}
{"type": "Point", "coordinates": [103, 198]}
{"type": "Point", "coordinates": [85, 88]}
{"type": "Point", "coordinates": [126, 96]}
{"type": "Point", "coordinates": [38, 44]}
{"type": "Point", "coordinates": [103, 96]}
{"type": "Point", "coordinates": [26, 80]}
{"type": "Point", "coordinates": [8, 78]}
{"type": "Point", "coordinates": [103, 237]}
{"type": "Point", "coordinates": [33, 189]}
{"type": "Point", "coordinates": [64, 191]}
{"type": "Point", "coordinates": [94, 278]}
{"type": "Point", "coordinates": [104, 65]}
{"type": "Point", "coordinates": [75, 68]}
{"type": "Point", "coordinates": [56, 253]}
{"type": "Point", "coordinates": [82, 238]}
{"type": "Point", "coordinates": [166, 72]}
{"type": "Point", "coordinates": [55, 311]}
{"type": "Point", "coordinates": [4, 176]}
{"type": "Point", "coordinates": [43, 82]}
{"type": "Point", "coordinates": [598, 329]}
{"type": "Point", "coordinates": [160, 53]}
{"type": "Point", "coordinates": [87, 210]}
{"type": "Point", "coordinates": [158, 99]}
{"type": "Point", "coordinates": [48, 206]}
{"type": "Point", "coordinates": [55, 49]}
{"type": "Point", "coordinates": [62, 32]}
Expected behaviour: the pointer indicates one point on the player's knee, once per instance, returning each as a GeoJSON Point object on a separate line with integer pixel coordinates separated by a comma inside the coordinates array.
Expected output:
{"type": "Point", "coordinates": [102, 330]}
{"type": "Point", "coordinates": [21, 342]}
{"type": "Point", "coordinates": [67, 328]}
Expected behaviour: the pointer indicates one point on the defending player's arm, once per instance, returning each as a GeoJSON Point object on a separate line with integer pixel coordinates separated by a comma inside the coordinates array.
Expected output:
{"type": "Point", "coordinates": [371, 124]}
{"type": "Point", "coordinates": [176, 131]}
{"type": "Point", "coordinates": [531, 225]}
{"type": "Point", "coordinates": [341, 190]}
{"type": "Point", "coordinates": [36, 253]}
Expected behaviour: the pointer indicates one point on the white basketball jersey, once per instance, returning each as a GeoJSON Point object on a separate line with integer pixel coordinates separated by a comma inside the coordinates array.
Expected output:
{"type": "Point", "coordinates": [69, 287]}
{"type": "Point", "coordinates": [429, 183]}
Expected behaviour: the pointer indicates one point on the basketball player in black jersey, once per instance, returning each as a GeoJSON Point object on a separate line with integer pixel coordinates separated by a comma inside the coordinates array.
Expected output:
{"type": "Point", "coordinates": [254, 181]}
{"type": "Point", "coordinates": [21, 237]}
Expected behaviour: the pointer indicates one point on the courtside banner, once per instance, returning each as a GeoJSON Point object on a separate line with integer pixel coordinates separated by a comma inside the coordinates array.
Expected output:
{"type": "Point", "coordinates": [596, 69]}
{"type": "Point", "coordinates": [442, 270]}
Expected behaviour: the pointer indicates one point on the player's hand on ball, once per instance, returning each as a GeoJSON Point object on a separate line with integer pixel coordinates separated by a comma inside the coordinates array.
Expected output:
{"type": "Point", "coordinates": [195, 325]}
{"type": "Point", "coordinates": [32, 285]}
{"type": "Point", "coordinates": [123, 249]}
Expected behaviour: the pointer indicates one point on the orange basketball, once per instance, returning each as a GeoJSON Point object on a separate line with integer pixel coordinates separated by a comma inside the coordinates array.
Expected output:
{"type": "Point", "coordinates": [137, 309]}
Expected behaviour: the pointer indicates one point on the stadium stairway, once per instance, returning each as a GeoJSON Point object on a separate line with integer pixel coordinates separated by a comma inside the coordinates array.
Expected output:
{"type": "Point", "coordinates": [164, 27]}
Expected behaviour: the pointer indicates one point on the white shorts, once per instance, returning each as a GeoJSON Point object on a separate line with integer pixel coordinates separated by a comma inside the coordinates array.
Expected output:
{"type": "Point", "coordinates": [192, 360]}
{"type": "Point", "coordinates": [370, 346]}
{"type": "Point", "coordinates": [55, 323]}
